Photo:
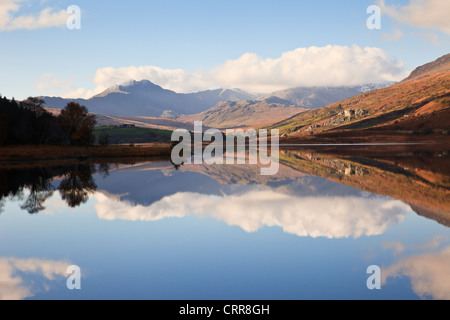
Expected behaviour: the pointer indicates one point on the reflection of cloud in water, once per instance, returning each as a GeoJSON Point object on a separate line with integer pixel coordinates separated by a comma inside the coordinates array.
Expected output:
{"type": "Point", "coordinates": [396, 246]}
{"type": "Point", "coordinates": [428, 274]}
{"type": "Point", "coordinates": [331, 217]}
{"type": "Point", "coordinates": [55, 205]}
{"type": "Point", "coordinates": [13, 287]}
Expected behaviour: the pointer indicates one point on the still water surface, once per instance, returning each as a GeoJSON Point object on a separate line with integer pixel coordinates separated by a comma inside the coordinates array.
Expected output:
{"type": "Point", "coordinates": [150, 231]}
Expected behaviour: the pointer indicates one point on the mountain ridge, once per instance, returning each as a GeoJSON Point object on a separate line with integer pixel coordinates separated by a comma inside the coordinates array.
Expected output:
{"type": "Point", "coordinates": [144, 98]}
{"type": "Point", "coordinates": [319, 97]}
{"type": "Point", "coordinates": [440, 65]}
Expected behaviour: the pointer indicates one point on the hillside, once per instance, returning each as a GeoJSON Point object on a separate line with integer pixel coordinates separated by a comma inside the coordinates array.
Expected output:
{"type": "Point", "coordinates": [441, 65]}
{"type": "Point", "coordinates": [247, 113]}
{"type": "Point", "coordinates": [142, 122]}
{"type": "Point", "coordinates": [319, 97]}
{"type": "Point", "coordinates": [417, 107]}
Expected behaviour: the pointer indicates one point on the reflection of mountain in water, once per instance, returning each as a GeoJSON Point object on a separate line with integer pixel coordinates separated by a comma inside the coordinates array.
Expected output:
{"type": "Point", "coordinates": [149, 183]}
{"type": "Point", "coordinates": [421, 180]}
{"type": "Point", "coordinates": [299, 204]}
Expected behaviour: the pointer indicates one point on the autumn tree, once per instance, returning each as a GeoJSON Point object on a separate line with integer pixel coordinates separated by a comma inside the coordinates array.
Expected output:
{"type": "Point", "coordinates": [78, 124]}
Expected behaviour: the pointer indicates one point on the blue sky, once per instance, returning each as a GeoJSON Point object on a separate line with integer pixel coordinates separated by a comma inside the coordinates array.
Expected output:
{"type": "Point", "coordinates": [196, 37]}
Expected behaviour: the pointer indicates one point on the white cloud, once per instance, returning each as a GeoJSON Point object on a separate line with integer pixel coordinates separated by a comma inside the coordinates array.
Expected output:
{"type": "Point", "coordinates": [436, 242]}
{"type": "Point", "coordinates": [177, 80]}
{"type": "Point", "coordinates": [50, 84]}
{"type": "Point", "coordinates": [83, 93]}
{"type": "Point", "coordinates": [395, 36]}
{"type": "Point", "coordinates": [421, 13]}
{"type": "Point", "coordinates": [51, 81]}
{"type": "Point", "coordinates": [428, 274]}
{"type": "Point", "coordinates": [314, 66]}
{"type": "Point", "coordinates": [46, 18]}
{"type": "Point", "coordinates": [433, 38]}
{"type": "Point", "coordinates": [338, 217]}
{"type": "Point", "coordinates": [13, 286]}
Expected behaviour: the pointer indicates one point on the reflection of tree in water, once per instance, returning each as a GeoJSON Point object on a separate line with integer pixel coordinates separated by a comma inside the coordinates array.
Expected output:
{"type": "Point", "coordinates": [40, 190]}
{"type": "Point", "coordinates": [104, 169]}
{"type": "Point", "coordinates": [35, 201]}
{"type": "Point", "coordinates": [78, 185]}
{"type": "Point", "coordinates": [2, 205]}
{"type": "Point", "coordinates": [34, 186]}
{"type": "Point", "coordinates": [176, 166]}
{"type": "Point", "coordinates": [13, 183]}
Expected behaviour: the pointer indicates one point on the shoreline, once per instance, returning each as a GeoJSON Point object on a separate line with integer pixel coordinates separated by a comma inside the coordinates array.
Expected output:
{"type": "Point", "coordinates": [45, 153]}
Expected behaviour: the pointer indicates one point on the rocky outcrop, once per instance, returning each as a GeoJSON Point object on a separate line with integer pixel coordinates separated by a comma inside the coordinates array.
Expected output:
{"type": "Point", "coordinates": [346, 116]}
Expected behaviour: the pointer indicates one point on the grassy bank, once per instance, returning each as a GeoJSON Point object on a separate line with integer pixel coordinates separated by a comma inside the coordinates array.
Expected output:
{"type": "Point", "coordinates": [11, 154]}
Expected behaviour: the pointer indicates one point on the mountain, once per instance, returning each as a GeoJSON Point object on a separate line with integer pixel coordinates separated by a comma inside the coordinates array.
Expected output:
{"type": "Point", "coordinates": [318, 97]}
{"type": "Point", "coordinates": [247, 113]}
{"type": "Point", "coordinates": [412, 110]}
{"type": "Point", "coordinates": [278, 106]}
{"type": "Point", "coordinates": [143, 98]}
{"type": "Point", "coordinates": [215, 107]}
{"type": "Point", "coordinates": [438, 66]}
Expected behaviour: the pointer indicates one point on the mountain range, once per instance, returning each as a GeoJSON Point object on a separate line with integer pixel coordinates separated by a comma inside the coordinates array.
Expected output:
{"type": "Point", "coordinates": [278, 106]}
{"type": "Point", "coordinates": [146, 99]}
{"type": "Point", "coordinates": [319, 97]}
{"type": "Point", "coordinates": [419, 104]}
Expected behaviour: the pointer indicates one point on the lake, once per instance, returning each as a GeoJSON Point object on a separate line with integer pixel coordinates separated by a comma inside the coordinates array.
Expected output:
{"type": "Point", "coordinates": [147, 230]}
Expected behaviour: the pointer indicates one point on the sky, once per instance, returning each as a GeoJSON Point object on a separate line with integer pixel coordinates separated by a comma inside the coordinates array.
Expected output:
{"type": "Point", "coordinates": [193, 45]}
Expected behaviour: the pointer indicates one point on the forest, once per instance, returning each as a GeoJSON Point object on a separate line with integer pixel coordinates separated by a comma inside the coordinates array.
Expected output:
{"type": "Point", "coordinates": [29, 123]}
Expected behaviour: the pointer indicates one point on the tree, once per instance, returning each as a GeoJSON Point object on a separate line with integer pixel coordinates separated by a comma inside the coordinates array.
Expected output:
{"type": "Point", "coordinates": [41, 125]}
{"type": "Point", "coordinates": [3, 130]}
{"type": "Point", "coordinates": [78, 124]}
{"type": "Point", "coordinates": [35, 105]}
{"type": "Point", "coordinates": [104, 139]}
{"type": "Point", "coordinates": [78, 185]}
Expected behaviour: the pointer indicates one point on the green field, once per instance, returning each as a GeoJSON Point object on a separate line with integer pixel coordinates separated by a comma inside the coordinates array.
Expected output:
{"type": "Point", "coordinates": [132, 135]}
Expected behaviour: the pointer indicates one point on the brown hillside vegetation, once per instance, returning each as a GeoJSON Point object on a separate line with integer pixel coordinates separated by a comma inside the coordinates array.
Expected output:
{"type": "Point", "coordinates": [441, 65]}
{"type": "Point", "coordinates": [416, 110]}
{"type": "Point", "coordinates": [242, 114]}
